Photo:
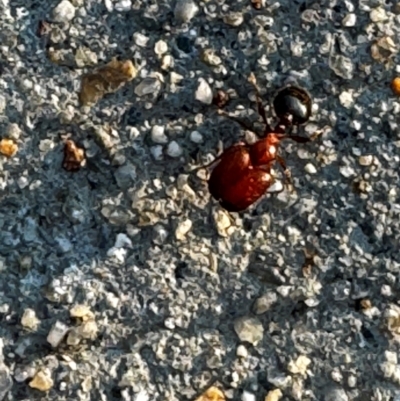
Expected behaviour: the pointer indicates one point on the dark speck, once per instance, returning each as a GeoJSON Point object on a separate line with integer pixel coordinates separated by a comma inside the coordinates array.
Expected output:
{"type": "Point", "coordinates": [185, 44]}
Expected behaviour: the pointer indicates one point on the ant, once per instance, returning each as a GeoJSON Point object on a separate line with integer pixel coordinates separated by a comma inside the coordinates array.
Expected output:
{"type": "Point", "coordinates": [243, 172]}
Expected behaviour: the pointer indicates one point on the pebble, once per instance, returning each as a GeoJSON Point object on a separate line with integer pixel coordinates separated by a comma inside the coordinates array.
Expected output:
{"type": "Point", "coordinates": [42, 381]}
{"type": "Point", "coordinates": [123, 5]}
{"type": "Point", "coordinates": [274, 395]}
{"type": "Point", "coordinates": [264, 303]}
{"type": "Point", "coordinates": [158, 134]}
{"type": "Point", "coordinates": [241, 351]}
{"type": "Point", "coordinates": [57, 333]}
{"type": "Point", "coordinates": [342, 66]}
{"type": "Point", "coordinates": [140, 39]}
{"type": "Point", "coordinates": [29, 319]}
{"type": "Point", "coordinates": [366, 160]}
{"type": "Point", "coordinates": [64, 12]}
{"type": "Point", "coordinates": [185, 10]}
{"type": "Point", "coordinates": [310, 168]}
{"type": "Point", "coordinates": [8, 148]}
{"type": "Point", "coordinates": [300, 365]}
{"type": "Point", "coordinates": [349, 20]}
{"type": "Point", "coordinates": [378, 15]}
{"type": "Point", "coordinates": [347, 171]}
{"type": "Point", "coordinates": [148, 86]}
{"type": "Point", "coordinates": [174, 149]}
{"type": "Point", "coordinates": [222, 222]}
{"type": "Point", "coordinates": [196, 137]}
{"type": "Point", "coordinates": [167, 62]}
{"type": "Point", "coordinates": [183, 228]}
{"type": "Point", "coordinates": [234, 19]}
{"type": "Point", "coordinates": [157, 152]}
{"type": "Point", "coordinates": [346, 99]}
{"type": "Point", "coordinates": [123, 241]}
{"type": "Point", "coordinates": [212, 394]}
{"type": "Point", "coordinates": [160, 47]}
{"type": "Point", "coordinates": [249, 329]}
{"type": "Point", "coordinates": [247, 396]}
{"type": "Point", "coordinates": [80, 311]}
{"type": "Point", "coordinates": [204, 92]}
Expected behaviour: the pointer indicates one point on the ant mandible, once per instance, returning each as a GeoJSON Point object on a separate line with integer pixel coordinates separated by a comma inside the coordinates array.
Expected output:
{"type": "Point", "coordinates": [243, 172]}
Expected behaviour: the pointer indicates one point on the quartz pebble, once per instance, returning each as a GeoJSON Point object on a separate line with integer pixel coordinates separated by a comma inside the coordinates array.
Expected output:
{"type": "Point", "coordinates": [174, 149]}
{"type": "Point", "coordinates": [158, 134]}
{"type": "Point", "coordinates": [310, 168]}
{"type": "Point", "coordinates": [185, 10]}
{"type": "Point", "coordinates": [349, 20]}
{"type": "Point", "coordinates": [196, 137]}
{"type": "Point", "coordinates": [42, 381]}
{"type": "Point", "coordinates": [247, 396]}
{"type": "Point", "coordinates": [300, 365]}
{"type": "Point", "coordinates": [249, 329]}
{"type": "Point", "coordinates": [241, 351]}
{"type": "Point", "coordinates": [378, 14]}
{"type": "Point", "coordinates": [274, 395]}
{"type": "Point", "coordinates": [57, 334]}
{"type": "Point", "coordinates": [204, 92]}
{"type": "Point", "coordinates": [366, 160]}
{"type": "Point", "coordinates": [264, 303]}
{"type": "Point", "coordinates": [29, 319]}
{"type": "Point", "coordinates": [234, 19]}
{"type": "Point", "coordinates": [160, 47]}
{"type": "Point", "coordinates": [183, 228]}
{"type": "Point", "coordinates": [64, 12]}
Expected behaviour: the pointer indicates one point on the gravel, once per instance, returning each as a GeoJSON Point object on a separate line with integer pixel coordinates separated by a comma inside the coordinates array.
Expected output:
{"type": "Point", "coordinates": [124, 280]}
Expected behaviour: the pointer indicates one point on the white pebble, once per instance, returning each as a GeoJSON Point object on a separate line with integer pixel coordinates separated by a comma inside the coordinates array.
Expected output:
{"type": "Point", "coordinates": [349, 20]}
{"type": "Point", "coordinates": [169, 323]}
{"type": "Point", "coordinates": [123, 5]}
{"type": "Point", "coordinates": [378, 15]}
{"type": "Point", "coordinates": [140, 39]}
{"type": "Point", "coordinates": [174, 150]}
{"type": "Point", "coordinates": [57, 333]}
{"type": "Point", "coordinates": [183, 228]}
{"type": "Point", "coordinates": [352, 381]}
{"type": "Point", "coordinates": [64, 12]}
{"type": "Point", "coordinates": [347, 171]}
{"type": "Point", "coordinates": [196, 137]}
{"type": "Point", "coordinates": [160, 47]}
{"type": "Point", "coordinates": [247, 396]}
{"type": "Point", "coordinates": [123, 241]}
{"type": "Point", "coordinates": [241, 351]}
{"type": "Point", "coordinates": [346, 99]}
{"type": "Point", "coordinates": [157, 152]}
{"type": "Point", "coordinates": [185, 10]}
{"type": "Point", "coordinates": [310, 168]}
{"type": "Point", "coordinates": [204, 92]}
{"type": "Point", "coordinates": [158, 134]}
{"type": "Point", "coordinates": [366, 160]}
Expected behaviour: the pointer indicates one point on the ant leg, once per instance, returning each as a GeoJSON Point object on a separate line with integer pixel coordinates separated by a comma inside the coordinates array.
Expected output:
{"type": "Point", "coordinates": [260, 107]}
{"type": "Point", "coordinates": [286, 171]}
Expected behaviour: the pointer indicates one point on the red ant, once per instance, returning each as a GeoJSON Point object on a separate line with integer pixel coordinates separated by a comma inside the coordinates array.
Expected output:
{"type": "Point", "coordinates": [243, 172]}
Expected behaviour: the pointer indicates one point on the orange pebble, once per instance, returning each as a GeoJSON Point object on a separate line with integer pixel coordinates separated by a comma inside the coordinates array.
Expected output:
{"type": "Point", "coordinates": [8, 147]}
{"type": "Point", "coordinates": [395, 85]}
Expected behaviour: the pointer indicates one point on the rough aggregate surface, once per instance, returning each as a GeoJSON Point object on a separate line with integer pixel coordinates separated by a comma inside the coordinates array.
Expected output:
{"type": "Point", "coordinates": [124, 280]}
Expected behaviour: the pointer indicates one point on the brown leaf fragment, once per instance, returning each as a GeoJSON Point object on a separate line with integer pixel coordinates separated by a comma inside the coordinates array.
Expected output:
{"type": "Point", "coordinates": [107, 79]}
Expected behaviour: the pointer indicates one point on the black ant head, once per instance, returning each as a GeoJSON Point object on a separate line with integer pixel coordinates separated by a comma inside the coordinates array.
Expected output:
{"type": "Point", "coordinates": [292, 106]}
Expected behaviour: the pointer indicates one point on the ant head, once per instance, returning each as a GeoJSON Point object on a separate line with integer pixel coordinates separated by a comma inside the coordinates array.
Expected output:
{"type": "Point", "coordinates": [292, 106]}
